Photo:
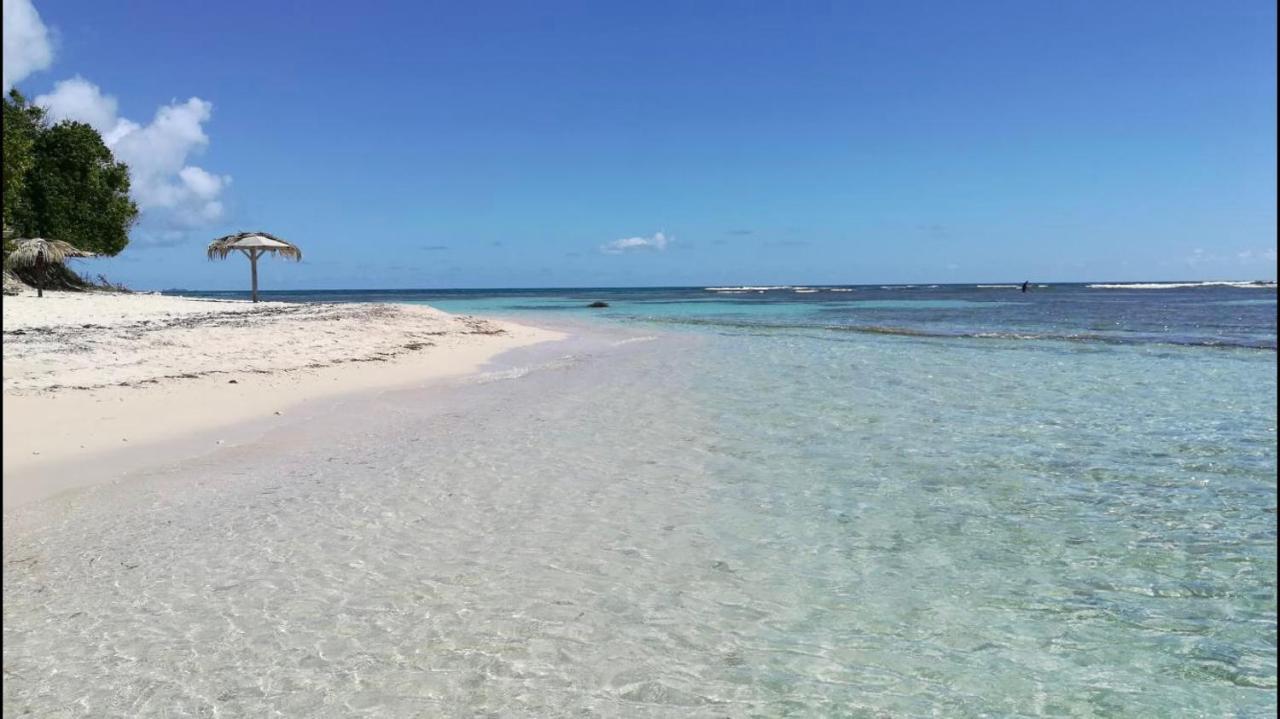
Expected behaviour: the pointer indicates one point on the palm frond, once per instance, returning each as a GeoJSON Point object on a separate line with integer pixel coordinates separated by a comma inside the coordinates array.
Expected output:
{"type": "Point", "coordinates": [223, 246]}
{"type": "Point", "coordinates": [29, 252]}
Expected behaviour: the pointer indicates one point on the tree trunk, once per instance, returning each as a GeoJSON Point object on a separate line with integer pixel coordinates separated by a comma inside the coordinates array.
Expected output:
{"type": "Point", "coordinates": [40, 270]}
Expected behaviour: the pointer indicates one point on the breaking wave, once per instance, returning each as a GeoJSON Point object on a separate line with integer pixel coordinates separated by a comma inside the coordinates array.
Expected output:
{"type": "Point", "coordinates": [1257, 284]}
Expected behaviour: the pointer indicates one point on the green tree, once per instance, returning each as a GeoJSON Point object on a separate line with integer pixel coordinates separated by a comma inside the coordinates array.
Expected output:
{"type": "Point", "coordinates": [22, 124]}
{"type": "Point", "coordinates": [76, 191]}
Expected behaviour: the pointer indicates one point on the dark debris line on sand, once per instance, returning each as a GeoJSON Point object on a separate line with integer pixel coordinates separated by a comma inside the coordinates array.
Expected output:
{"type": "Point", "coordinates": [81, 338]}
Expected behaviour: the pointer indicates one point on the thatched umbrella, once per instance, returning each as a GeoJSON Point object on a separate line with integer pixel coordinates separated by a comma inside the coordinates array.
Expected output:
{"type": "Point", "coordinates": [253, 245]}
{"type": "Point", "coordinates": [39, 255]}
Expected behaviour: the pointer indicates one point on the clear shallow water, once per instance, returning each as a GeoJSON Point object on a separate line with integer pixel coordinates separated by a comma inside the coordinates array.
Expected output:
{"type": "Point", "coordinates": [760, 513]}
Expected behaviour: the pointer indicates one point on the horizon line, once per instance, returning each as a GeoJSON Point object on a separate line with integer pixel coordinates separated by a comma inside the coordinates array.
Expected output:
{"type": "Point", "coordinates": [818, 285]}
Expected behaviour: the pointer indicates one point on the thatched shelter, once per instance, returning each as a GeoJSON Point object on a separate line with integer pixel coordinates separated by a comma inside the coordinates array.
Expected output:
{"type": "Point", "coordinates": [39, 255]}
{"type": "Point", "coordinates": [253, 245]}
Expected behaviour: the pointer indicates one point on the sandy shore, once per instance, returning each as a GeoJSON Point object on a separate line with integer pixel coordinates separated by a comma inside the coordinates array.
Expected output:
{"type": "Point", "coordinates": [98, 384]}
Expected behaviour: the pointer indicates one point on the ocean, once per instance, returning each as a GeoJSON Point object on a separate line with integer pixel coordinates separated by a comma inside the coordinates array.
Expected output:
{"type": "Point", "coordinates": [864, 501]}
{"type": "Point", "coordinates": [1220, 314]}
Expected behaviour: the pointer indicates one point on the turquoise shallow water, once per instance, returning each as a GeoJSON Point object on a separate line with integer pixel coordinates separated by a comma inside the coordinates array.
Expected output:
{"type": "Point", "coordinates": [709, 508]}
{"type": "Point", "coordinates": [1212, 314]}
{"type": "Point", "coordinates": [1015, 530]}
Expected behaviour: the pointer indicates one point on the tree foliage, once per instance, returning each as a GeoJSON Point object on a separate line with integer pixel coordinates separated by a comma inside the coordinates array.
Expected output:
{"type": "Point", "coordinates": [78, 192]}
{"type": "Point", "coordinates": [22, 122]}
{"type": "Point", "coordinates": [62, 182]}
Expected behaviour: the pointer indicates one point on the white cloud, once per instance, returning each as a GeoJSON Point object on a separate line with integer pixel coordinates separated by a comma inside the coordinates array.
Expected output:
{"type": "Point", "coordinates": [1263, 255]}
{"type": "Point", "coordinates": [658, 242]}
{"type": "Point", "coordinates": [172, 194]}
{"type": "Point", "coordinates": [78, 99]}
{"type": "Point", "coordinates": [169, 191]}
{"type": "Point", "coordinates": [26, 42]}
{"type": "Point", "coordinates": [1197, 257]}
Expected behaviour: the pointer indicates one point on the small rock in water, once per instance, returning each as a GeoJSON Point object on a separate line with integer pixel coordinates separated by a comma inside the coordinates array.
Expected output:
{"type": "Point", "coordinates": [598, 303]}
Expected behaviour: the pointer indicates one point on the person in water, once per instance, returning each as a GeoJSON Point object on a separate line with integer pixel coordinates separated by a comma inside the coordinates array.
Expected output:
{"type": "Point", "coordinates": [1024, 286]}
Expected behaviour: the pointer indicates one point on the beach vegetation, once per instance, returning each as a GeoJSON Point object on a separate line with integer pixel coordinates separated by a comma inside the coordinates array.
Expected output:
{"type": "Point", "coordinates": [22, 122]}
{"type": "Point", "coordinates": [61, 181]}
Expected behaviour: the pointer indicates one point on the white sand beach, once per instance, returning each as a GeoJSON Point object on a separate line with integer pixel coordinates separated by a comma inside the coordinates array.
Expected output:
{"type": "Point", "coordinates": [109, 379]}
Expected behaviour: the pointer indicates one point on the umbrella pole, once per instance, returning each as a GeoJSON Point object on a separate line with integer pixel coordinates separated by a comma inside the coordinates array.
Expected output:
{"type": "Point", "coordinates": [253, 264]}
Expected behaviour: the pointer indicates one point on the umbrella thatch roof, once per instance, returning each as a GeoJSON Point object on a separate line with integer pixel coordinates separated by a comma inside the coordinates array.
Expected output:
{"type": "Point", "coordinates": [247, 241]}
{"type": "Point", "coordinates": [30, 250]}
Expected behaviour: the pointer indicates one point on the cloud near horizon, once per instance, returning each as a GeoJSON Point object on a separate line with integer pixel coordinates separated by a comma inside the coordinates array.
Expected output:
{"type": "Point", "coordinates": [1219, 264]}
{"type": "Point", "coordinates": [27, 48]}
{"type": "Point", "coordinates": [1267, 254]}
{"type": "Point", "coordinates": [657, 243]}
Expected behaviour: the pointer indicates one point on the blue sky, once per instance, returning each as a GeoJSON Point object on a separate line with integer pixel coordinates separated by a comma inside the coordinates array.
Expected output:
{"type": "Point", "coordinates": [432, 144]}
